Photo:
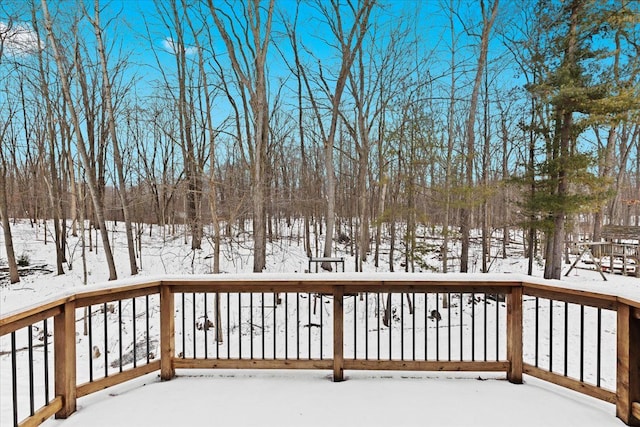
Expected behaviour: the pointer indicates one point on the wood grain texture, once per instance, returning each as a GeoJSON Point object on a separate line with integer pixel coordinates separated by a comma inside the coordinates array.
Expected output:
{"type": "Point", "coordinates": [119, 378]}
{"type": "Point", "coordinates": [514, 335]}
{"type": "Point", "coordinates": [43, 414]}
{"type": "Point", "coordinates": [419, 365]}
{"type": "Point", "coordinates": [570, 383]}
{"type": "Point", "coordinates": [167, 333]}
{"type": "Point", "coordinates": [180, 363]}
{"type": "Point", "coordinates": [64, 339]}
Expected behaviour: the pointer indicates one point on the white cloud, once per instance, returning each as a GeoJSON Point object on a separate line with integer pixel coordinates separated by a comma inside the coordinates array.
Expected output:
{"type": "Point", "coordinates": [18, 39]}
{"type": "Point", "coordinates": [170, 46]}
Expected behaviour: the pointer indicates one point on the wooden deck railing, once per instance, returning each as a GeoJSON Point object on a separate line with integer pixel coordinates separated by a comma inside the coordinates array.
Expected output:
{"type": "Point", "coordinates": [55, 353]}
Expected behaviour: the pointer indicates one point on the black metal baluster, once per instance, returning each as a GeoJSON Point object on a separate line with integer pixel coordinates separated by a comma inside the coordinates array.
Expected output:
{"type": "Point", "coordinates": [438, 317]}
{"type": "Point", "coordinates": [205, 327]}
{"type": "Point", "coordinates": [14, 378]}
{"type": "Point", "coordinates": [498, 327]}
{"type": "Point", "coordinates": [297, 326]}
{"type": "Point", "coordinates": [460, 307]}
{"type": "Point", "coordinates": [355, 327]}
{"type": "Point", "coordinates": [401, 326]}
{"type": "Point", "coordinates": [550, 335]}
{"type": "Point", "coordinates": [120, 335]}
{"type": "Point", "coordinates": [45, 328]}
{"type": "Point", "coordinates": [135, 336]}
{"type": "Point", "coordinates": [461, 322]}
{"type": "Point", "coordinates": [148, 339]}
{"type": "Point", "coordinates": [106, 364]}
{"type": "Point", "coordinates": [537, 332]}
{"type": "Point", "coordinates": [321, 328]}
{"type": "Point", "coordinates": [309, 322]}
{"type": "Point", "coordinates": [228, 325]}
{"type": "Point", "coordinates": [30, 350]}
{"type": "Point", "coordinates": [473, 328]}
{"type": "Point", "coordinates": [251, 325]}
{"type": "Point", "coordinates": [262, 314]}
{"type": "Point", "coordinates": [194, 322]}
{"type": "Point", "coordinates": [413, 327]}
{"type": "Point", "coordinates": [286, 326]}
{"type": "Point", "coordinates": [426, 337]}
{"type": "Point", "coordinates": [599, 349]}
{"type": "Point", "coordinates": [184, 332]}
{"type": "Point", "coordinates": [366, 326]}
{"type": "Point", "coordinates": [218, 319]}
{"type": "Point", "coordinates": [239, 325]}
{"type": "Point", "coordinates": [90, 345]}
{"type": "Point", "coordinates": [390, 324]}
{"type": "Point", "coordinates": [566, 338]}
{"type": "Point", "coordinates": [275, 325]}
{"type": "Point", "coordinates": [378, 324]}
{"type": "Point", "coordinates": [581, 342]}
{"type": "Point", "coordinates": [484, 298]}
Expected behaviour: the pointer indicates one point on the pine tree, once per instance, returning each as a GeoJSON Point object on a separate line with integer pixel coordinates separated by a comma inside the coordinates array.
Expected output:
{"type": "Point", "coordinates": [574, 89]}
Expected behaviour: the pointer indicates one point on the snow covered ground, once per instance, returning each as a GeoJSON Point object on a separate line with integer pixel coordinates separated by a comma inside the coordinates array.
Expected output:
{"type": "Point", "coordinates": [163, 253]}
{"type": "Point", "coordinates": [309, 398]}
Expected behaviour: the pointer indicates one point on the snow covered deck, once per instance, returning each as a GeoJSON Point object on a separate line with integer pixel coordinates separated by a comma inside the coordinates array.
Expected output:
{"type": "Point", "coordinates": [310, 398]}
{"type": "Point", "coordinates": [499, 326]}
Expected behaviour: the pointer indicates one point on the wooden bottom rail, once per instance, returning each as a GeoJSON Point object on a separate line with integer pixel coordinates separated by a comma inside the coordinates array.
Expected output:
{"type": "Point", "coordinates": [43, 414]}
{"type": "Point", "coordinates": [349, 364]}
{"type": "Point", "coordinates": [180, 363]}
{"type": "Point", "coordinates": [570, 383]}
{"type": "Point", "coordinates": [119, 378]}
{"type": "Point", "coordinates": [433, 366]}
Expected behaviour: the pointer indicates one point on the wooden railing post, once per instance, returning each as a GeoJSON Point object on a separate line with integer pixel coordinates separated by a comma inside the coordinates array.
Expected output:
{"type": "Point", "coordinates": [64, 343]}
{"type": "Point", "coordinates": [338, 333]}
{"type": "Point", "coordinates": [514, 335]}
{"type": "Point", "coordinates": [167, 333]}
{"type": "Point", "coordinates": [628, 365]}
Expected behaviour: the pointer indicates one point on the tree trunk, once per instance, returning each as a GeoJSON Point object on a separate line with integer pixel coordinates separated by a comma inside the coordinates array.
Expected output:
{"type": "Point", "coordinates": [111, 119]}
{"type": "Point", "coordinates": [14, 277]}
{"type": "Point", "coordinates": [444, 251]}
{"type": "Point", "coordinates": [465, 213]}
{"type": "Point", "coordinates": [92, 182]}
{"type": "Point", "coordinates": [252, 80]}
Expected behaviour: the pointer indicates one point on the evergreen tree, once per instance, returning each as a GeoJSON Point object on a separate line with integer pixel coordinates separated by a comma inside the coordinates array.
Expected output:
{"type": "Point", "coordinates": [575, 87]}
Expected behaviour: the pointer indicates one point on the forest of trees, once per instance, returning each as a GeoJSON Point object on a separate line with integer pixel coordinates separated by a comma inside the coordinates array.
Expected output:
{"type": "Point", "coordinates": [365, 120]}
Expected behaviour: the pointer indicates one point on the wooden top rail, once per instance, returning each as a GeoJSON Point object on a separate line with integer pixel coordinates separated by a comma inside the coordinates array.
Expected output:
{"type": "Point", "coordinates": [349, 282]}
{"type": "Point", "coordinates": [19, 319]}
{"type": "Point", "coordinates": [576, 296]}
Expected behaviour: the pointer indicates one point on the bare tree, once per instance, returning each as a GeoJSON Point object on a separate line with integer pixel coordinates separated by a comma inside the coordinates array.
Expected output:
{"type": "Point", "coordinates": [4, 212]}
{"type": "Point", "coordinates": [64, 70]}
{"type": "Point", "coordinates": [349, 42]}
{"type": "Point", "coordinates": [54, 126]}
{"type": "Point", "coordinates": [5, 32]}
{"type": "Point", "coordinates": [249, 66]}
{"type": "Point", "coordinates": [209, 134]}
{"type": "Point", "coordinates": [488, 19]}
{"type": "Point", "coordinates": [111, 124]}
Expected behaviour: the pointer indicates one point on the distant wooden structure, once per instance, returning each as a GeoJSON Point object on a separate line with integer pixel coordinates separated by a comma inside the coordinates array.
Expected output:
{"type": "Point", "coordinates": [620, 253]}
{"type": "Point", "coordinates": [586, 249]}
{"type": "Point", "coordinates": [320, 260]}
